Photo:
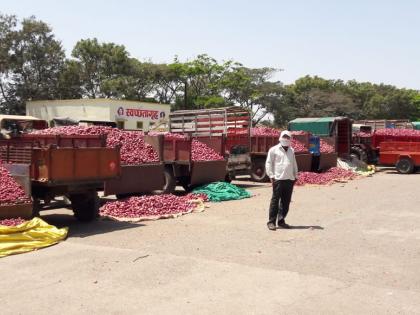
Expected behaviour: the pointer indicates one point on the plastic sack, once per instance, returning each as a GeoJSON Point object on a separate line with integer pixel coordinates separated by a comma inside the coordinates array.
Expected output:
{"type": "Point", "coordinates": [29, 236]}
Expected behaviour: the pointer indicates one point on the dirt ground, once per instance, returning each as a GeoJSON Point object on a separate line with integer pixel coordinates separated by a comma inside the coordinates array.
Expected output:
{"type": "Point", "coordinates": [355, 249]}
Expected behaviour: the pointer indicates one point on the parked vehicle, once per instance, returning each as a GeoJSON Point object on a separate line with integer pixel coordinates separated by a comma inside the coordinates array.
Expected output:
{"type": "Point", "coordinates": [225, 130]}
{"type": "Point", "coordinates": [367, 147]}
{"type": "Point", "coordinates": [52, 166]}
{"type": "Point", "coordinates": [405, 156]}
{"type": "Point", "coordinates": [337, 131]}
{"type": "Point", "coordinates": [72, 172]}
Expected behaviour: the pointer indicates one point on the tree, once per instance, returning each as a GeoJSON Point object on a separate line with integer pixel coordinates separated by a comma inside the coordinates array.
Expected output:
{"type": "Point", "coordinates": [70, 82]}
{"type": "Point", "coordinates": [169, 82]}
{"type": "Point", "coordinates": [7, 26]}
{"type": "Point", "coordinates": [252, 90]}
{"type": "Point", "coordinates": [34, 62]}
{"type": "Point", "coordinates": [101, 67]}
{"type": "Point", "coordinates": [201, 81]}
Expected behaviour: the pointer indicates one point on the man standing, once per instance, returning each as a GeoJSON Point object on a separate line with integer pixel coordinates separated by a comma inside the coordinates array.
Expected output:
{"type": "Point", "coordinates": [282, 169]}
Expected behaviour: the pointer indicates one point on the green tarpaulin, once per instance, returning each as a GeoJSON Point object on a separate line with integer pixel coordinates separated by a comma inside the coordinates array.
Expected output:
{"type": "Point", "coordinates": [316, 126]}
{"type": "Point", "coordinates": [222, 191]}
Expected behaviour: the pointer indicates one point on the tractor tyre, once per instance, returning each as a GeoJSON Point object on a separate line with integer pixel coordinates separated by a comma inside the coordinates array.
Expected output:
{"type": "Point", "coordinates": [405, 166]}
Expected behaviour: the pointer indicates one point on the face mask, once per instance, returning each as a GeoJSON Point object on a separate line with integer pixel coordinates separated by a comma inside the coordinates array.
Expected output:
{"type": "Point", "coordinates": [285, 142]}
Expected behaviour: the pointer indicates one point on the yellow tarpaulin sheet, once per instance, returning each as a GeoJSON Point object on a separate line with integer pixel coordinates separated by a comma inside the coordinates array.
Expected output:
{"type": "Point", "coordinates": [29, 236]}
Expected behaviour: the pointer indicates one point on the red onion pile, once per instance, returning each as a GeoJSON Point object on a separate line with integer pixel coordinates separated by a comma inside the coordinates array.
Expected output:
{"type": "Point", "coordinates": [75, 130]}
{"type": "Point", "coordinates": [133, 148]}
{"type": "Point", "coordinates": [299, 133]}
{"type": "Point", "coordinates": [148, 206]}
{"type": "Point", "coordinates": [265, 131]}
{"type": "Point", "coordinates": [325, 147]}
{"type": "Point", "coordinates": [298, 146]}
{"type": "Point", "coordinates": [330, 176]}
{"type": "Point", "coordinates": [202, 152]}
{"type": "Point", "coordinates": [12, 222]}
{"type": "Point", "coordinates": [168, 135]}
{"type": "Point", "coordinates": [201, 196]}
{"type": "Point", "coordinates": [398, 132]}
{"type": "Point", "coordinates": [10, 191]}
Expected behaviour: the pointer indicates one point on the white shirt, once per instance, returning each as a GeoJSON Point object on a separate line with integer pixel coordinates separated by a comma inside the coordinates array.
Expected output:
{"type": "Point", "coordinates": [281, 165]}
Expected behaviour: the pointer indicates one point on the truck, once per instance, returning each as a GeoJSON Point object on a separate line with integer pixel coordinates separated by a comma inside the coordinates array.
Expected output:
{"type": "Point", "coordinates": [337, 131]}
{"type": "Point", "coordinates": [14, 125]}
{"type": "Point", "coordinates": [226, 130]}
{"type": "Point", "coordinates": [405, 156]}
{"type": "Point", "coordinates": [367, 146]}
{"type": "Point", "coordinates": [56, 166]}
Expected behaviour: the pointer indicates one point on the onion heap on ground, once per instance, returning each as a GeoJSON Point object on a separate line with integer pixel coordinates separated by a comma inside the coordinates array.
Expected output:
{"type": "Point", "coordinates": [149, 206]}
{"type": "Point", "coordinates": [332, 175]}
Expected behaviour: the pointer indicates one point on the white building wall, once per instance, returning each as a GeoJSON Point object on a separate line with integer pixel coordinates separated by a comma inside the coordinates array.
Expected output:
{"type": "Point", "coordinates": [76, 109]}
{"type": "Point", "coordinates": [130, 113]}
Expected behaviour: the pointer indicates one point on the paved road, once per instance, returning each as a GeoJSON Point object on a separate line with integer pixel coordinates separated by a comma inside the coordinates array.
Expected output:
{"type": "Point", "coordinates": [355, 250]}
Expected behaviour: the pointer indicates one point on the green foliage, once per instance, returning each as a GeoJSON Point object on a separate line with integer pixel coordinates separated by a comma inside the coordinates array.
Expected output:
{"type": "Point", "coordinates": [32, 62]}
{"type": "Point", "coordinates": [317, 97]}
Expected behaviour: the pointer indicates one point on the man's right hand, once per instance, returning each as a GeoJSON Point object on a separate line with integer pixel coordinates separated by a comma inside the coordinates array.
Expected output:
{"type": "Point", "coordinates": [272, 181]}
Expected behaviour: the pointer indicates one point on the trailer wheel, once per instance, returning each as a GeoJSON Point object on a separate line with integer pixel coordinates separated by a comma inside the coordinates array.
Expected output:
{"type": "Point", "coordinates": [85, 206]}
{"type": "Point", "coordinates": [170, 182]}
{"type": "Point", "coordinates": [405, 166]}
{"type": "Point", "coordinates": [359, 154]}
{"type": "Point", "coordinates": [258, 173]}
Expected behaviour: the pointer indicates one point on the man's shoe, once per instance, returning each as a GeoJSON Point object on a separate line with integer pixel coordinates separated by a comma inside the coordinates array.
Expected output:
{"type": "Point", "coordinates": [271, 226]}
{"type": "Point", "coordinates": [284, 225]}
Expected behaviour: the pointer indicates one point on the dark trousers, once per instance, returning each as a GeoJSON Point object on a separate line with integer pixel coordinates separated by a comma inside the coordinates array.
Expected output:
{"type": "Point", "coordinates": [280, 200]}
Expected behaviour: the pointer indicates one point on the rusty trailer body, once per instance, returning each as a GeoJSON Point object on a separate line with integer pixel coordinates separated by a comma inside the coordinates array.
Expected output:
{"type": "Point", "coordinates": [175, 167]}
{"type": "Point", "coordinates": [179, 168]}
{"type": "Point", "coordinates": [405, 156]}
{"type": "Point", "coordinates": [53, 171]}
{"type": "Point", "coordinates": [65, 141]}
{"type": "Point", "coordinates": [225, 130]}
{"type": "Point", "coordinates": [136, 179]}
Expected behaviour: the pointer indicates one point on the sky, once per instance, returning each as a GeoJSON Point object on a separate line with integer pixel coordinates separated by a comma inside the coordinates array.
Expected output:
{"type": "Point", "coordinates": [371, 40]}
